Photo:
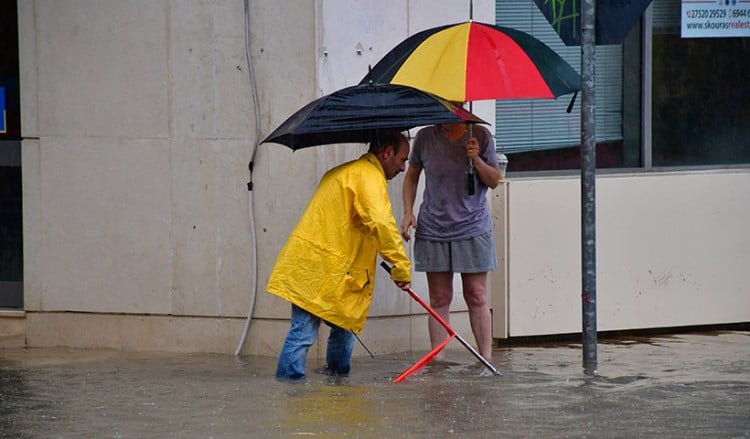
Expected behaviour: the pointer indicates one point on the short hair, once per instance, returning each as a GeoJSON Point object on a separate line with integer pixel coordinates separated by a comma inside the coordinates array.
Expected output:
{"type": "Point", "coordinates": [386, 138]}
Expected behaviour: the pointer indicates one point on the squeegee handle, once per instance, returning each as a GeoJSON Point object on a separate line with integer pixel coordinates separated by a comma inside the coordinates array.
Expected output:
{"type": "Point", "coordinates": [423, 303]}
{"type": "Point", "coordinates": [478, 356]}
{"type": "Point", "coordinates": [447, 327]}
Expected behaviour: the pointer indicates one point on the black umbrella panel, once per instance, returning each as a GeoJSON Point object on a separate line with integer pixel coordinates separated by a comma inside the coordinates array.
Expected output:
{"type": "Point", "coordinates": [355, 114]}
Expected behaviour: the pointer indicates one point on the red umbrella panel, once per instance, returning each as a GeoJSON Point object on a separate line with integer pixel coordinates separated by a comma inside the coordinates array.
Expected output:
{"type": "Point", "coordinates": [472, 61]}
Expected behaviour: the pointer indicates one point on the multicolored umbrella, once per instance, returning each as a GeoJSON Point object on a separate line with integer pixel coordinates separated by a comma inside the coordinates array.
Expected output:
{"type": "Point", "coordinates": [356, 113]}
{"type": "Point", "coordinates": [473, 61]}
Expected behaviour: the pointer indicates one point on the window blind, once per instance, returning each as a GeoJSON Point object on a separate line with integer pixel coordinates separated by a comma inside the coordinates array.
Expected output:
{"type": "Point", "coordinates": [531, 125]}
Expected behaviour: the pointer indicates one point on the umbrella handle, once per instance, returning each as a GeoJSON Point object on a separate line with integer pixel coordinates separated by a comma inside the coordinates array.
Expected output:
{"type": "Point", "coordinates": [470, 188]}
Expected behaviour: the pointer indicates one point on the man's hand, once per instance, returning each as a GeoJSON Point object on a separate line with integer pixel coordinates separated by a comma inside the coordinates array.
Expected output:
{"type": "Point", "coordinates": [403, 285]}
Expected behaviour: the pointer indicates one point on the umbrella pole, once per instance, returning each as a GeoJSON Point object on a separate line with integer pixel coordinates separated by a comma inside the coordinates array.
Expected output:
{"type": "Point", "coordinates": [470, 171]}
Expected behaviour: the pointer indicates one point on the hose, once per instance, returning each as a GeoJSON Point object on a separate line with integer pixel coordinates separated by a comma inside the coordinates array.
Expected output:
{"type": "Point", "coordinates": [254, 244]}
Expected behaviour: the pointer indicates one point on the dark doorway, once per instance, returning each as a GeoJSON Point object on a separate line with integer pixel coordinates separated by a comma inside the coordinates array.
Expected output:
{"type": "Point", "coordinates": [11, 222]}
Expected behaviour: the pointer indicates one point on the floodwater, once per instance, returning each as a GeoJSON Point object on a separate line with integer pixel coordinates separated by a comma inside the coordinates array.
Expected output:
{"type": "Point", "coordinates": [681, 386]}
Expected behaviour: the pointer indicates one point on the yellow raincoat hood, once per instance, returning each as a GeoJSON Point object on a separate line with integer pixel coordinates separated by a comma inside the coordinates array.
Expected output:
{"type": "Point", "coordinates": [327, 266]}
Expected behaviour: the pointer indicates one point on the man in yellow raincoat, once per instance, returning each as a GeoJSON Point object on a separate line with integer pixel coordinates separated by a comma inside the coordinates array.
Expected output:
{"type": "Point", "coordinates": [327, 267]}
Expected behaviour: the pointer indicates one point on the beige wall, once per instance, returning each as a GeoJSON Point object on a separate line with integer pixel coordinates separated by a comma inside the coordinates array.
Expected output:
{"type": "Point", "coordinates": [138, 128]}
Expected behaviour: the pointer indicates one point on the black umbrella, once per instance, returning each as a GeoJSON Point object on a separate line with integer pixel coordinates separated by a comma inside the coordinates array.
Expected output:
{"type": "Point", "coordinates": [356, 113]}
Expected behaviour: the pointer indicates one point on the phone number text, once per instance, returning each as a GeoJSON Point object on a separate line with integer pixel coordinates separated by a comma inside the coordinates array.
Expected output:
{"type": "Point", "coordinates": [717, 13]}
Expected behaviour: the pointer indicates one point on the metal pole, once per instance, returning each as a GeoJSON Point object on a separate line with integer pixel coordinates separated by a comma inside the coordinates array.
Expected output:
{"type": "Point", "coordinates": [588, 183]}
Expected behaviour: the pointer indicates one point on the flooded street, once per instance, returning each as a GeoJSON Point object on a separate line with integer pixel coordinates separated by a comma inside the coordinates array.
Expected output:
{"type": "Point", "coordinates": [688, 385]}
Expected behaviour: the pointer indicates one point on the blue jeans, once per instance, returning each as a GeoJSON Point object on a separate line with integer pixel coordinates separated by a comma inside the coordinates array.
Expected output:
{"type": "Point", "coordinates": [302, 335]}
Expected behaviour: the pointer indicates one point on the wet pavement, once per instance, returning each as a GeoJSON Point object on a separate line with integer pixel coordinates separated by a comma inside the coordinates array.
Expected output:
{"type": "Point", "coordinates": [681, 386]}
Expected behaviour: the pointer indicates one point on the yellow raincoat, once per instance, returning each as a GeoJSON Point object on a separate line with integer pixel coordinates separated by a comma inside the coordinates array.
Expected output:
{"type": "Point", "coordinates": [327, 266]}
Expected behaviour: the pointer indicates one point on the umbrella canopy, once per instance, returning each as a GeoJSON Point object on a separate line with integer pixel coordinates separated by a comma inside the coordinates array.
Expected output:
{"type": "Point", "coordinates": [356, 113]}
{"type": "Point", "coordinates": [472, 61]}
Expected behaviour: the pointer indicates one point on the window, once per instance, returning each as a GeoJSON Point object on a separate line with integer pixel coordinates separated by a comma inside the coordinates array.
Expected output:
{"type": "Point", "coordinates": [540, 134]}
{"type": "Point", "coordinates": [700, 95]}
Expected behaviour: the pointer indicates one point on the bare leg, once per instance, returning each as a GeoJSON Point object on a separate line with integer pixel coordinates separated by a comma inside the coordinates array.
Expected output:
{"type": "Point", "coordinates": [441, 295]}
{"type": "Point", "coordinates": [475, 295]}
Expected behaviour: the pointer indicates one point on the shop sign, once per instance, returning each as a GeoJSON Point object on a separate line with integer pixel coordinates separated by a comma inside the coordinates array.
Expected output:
{"type": "Point", "coordinates": [715, 18]}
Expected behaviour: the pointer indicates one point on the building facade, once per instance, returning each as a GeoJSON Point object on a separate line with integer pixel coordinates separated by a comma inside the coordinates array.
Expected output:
{"type": "Point", "coordinates": [138, 121]}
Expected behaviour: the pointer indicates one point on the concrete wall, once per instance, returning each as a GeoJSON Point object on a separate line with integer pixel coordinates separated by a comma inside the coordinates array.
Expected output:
{"type": "Point", "coordinates": [138, 125]}
{"type": "Point", "coordinates": [135, 125]}
{"type": "Point", "coordinates": [672, 250]}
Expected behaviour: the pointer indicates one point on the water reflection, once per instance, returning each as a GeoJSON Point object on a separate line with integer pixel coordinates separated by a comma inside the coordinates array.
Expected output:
{"type": "Point", "coordinates": [329, 408]}
{"type": "Point", "coordinates": [12, 391]}
{"type": "Point", "coordinates": [699, 382]}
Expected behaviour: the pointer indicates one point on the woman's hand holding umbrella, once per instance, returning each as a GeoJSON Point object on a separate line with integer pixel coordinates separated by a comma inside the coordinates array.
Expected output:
{"type": "Point", "coordinates": [472, 148]}
{"type": "Point", "coordinates": [490, 175]}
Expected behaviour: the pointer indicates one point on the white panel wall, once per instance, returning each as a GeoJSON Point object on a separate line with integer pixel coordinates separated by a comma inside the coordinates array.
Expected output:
{"type": "Point", "coordinates": [673, 249]}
